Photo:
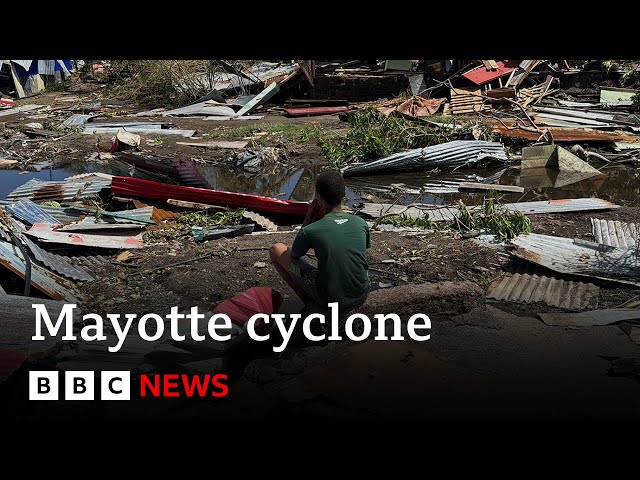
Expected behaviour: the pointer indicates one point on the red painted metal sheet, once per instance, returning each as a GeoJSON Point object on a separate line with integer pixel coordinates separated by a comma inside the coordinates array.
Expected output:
{"type": "Point", "coordinates": [243, 306]}
{"type": "Point", "coordinates": [136, 187]}
{"type": "Point", "coordinates": [480, 75]}
{"type": "Point", "coordinates": [301, 112]}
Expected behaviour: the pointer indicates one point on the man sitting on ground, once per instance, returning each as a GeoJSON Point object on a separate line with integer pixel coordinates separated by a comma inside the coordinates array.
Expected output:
{"type": "Point", "coordinates": [339, 240]}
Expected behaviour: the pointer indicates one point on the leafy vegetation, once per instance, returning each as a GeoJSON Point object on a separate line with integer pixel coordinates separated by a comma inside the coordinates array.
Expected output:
{"type": "Point", "coordinates": [504, 224]}
{"type": "Point", "coordinates": [203, 219]}
{"type": "Point", "coordinates": [636, 101]}
{"type": "Point", "coordinates": [491, 216]}
{"type": "Point", "coordinates": [372, 135]}
{"type": "Point", "coordinates": [404, 220]}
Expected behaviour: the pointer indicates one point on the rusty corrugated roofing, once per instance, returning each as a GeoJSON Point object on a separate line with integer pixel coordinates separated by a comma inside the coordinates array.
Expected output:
{"type": "Point", "coordinates": [46, 191]}
{"type": "Point", "coordinates": [188, 173]}
{"type": "Point", "coordinates": [44, 280]}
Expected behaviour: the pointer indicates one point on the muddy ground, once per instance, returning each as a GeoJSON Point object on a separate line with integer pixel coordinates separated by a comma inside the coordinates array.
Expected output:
{"type": "Point", "coordinates": [496, 360]}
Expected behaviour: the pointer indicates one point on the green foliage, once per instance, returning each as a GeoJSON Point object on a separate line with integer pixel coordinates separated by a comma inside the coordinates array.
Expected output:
{"type": "Point", "coordinates": [404, 220]}
{"type": "Point", "coordinates": [203, 219]}
{"type": "Point", "coordinates": [503, 223]}
{"type": "Point", "coordinates": [50, 204]}
{"type": "Point", "coordinates": [636, 101]}
{"type": "Point", "coordinates": [372, 135]}
{"type": "Point", "coordinates": [161, 82]}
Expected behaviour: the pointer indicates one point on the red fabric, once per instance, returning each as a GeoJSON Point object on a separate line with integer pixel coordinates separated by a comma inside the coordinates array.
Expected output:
{"type": "Point", "coordinates": [246, 304]}
{"type": "Point", "coordinates": [136, 187]}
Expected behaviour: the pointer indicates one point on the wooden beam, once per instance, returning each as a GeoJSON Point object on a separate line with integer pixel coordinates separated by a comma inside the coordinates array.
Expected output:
{"type": "Point", "coordinates": [489, 186]}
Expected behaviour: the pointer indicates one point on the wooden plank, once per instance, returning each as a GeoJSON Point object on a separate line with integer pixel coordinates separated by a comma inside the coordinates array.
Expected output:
{"type": "Point", "coordinates": [489, 186]}
{"type": "Point", "coordinates": [493, 64]}
{"type": "Point", "coordinates": [16, 81]}
{"type": "Point", "coordinates": [259, 99]}
{"type": "Point", "coordinates": [195, 205]}
{"type": "Point", "coordinates": [216, 144]}
{"type": "Point", "coordinates": [4, 163]}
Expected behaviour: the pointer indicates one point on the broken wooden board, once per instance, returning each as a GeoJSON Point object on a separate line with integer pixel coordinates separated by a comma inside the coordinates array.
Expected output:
{"type": "Point", "coordinates": [16, 81]}
{"type": "Point", "coordinates": [559, 134]}
{"type": "Point", "coordinates": [46, 233]}
{"type": "Point", "coordinates": [216, 144]}
{"type": "Point", "coordinates": [489, 186]}
{"type": "Point", "coordinates": [465, 101]}
{"type": "Point", "coordinates": [591, 318]}
{"type": "Point", "coordinates": [195, 205]}
{"type": "Point", "coordinates": [4, 163]}
{"type": "Point", "coordinates": [259, 99]}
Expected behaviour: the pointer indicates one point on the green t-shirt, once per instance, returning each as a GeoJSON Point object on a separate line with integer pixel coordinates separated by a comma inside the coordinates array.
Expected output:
{"type": "Point", "coordinates": [340, 241]}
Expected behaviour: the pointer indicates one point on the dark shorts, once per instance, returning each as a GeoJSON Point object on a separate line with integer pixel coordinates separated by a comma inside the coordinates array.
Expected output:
{"type": "Point", "coordinates": [305, 274]}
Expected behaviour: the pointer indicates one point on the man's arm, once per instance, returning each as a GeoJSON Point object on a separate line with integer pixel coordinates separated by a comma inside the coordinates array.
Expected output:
{"type": "Point", "coordinates": [312, 212]}
{"type": "Point", "coordinates": [300, 245]}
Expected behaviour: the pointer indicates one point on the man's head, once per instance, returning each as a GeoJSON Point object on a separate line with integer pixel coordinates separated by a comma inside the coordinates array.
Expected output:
{"type": "Point", "coordinates": [330, 188]}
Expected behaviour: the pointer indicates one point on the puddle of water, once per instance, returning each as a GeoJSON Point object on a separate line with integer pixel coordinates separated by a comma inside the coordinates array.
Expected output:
{"type": "Point", "coordinates": [620, 184]}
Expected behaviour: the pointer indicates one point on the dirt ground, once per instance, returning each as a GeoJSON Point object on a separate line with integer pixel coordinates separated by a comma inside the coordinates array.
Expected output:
{"type": "Point", "coordinates": [498, 360]}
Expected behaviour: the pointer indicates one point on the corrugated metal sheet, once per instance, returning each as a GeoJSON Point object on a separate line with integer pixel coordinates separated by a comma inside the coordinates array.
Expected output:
{"type": "Point", "coordinates": [124, 169]}
{"type": "Point", "coordinates": [617, 96]}
{"type": "Point", "coordinates": [89, 176]}
{"type": "Point", "coordinates": [31, 213]}
{"type": "Point", "coordinates": [45, 233]}
{"type": "Point", "coordinates": [142, 215]}
{"type": "Point", "coordinates": [560, 206]}
{"type": "Point", "coordinates": [44, 191]}
{"type": "Point", "coordinates": [77, 120]}
{"type": "Point", "coordinates": [134, 187]}
{"type": "Point", "coordinates": [264, 222]}
{"type": "Point", "coordinates": [152, 125]}
{"type": "Point", "coordinates": [188, 173]}
{"type": "Point", "coordinates": [159, 214]}
{"type": "Point", "coordinates": [57, 264]}
{"type": "Point", "coordinates": [90, 130]}
{"type": "Point", "coordinates": [311, 111]}
{"type": "Point", "coordinates": [579, 257]}
{"type": "Point", "coordinates": [47, 282]}
{"type": "Point", "coordinates": [46, 67]}
{"type": "Point", "coordinates": [435, 213]}
{"type": "Point", "coordinates": [21, 109]}
{"type": "Point", "coordinates": [565, 120]}
{"type": "Point", "coordinates": [201, 109]}
{"type": "Point", "coordinates": [615, 233]}
{"type": "Point", "coordinates": [446, 155]}
{"type": "Point", "coordinates": [605, 117]}
{"type": "Point", "coordinates": [524, 288]}
{"type": "Point", "coordinates": [89, 262]}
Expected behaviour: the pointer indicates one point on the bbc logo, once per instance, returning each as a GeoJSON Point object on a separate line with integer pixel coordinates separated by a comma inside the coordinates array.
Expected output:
{"type": "Point", "coordinates": [80, 385]}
